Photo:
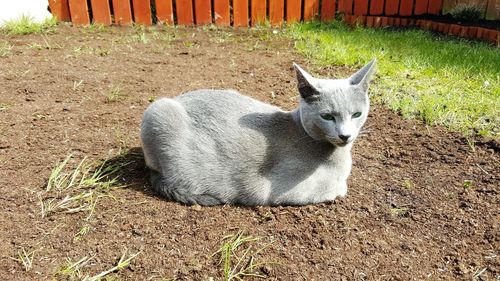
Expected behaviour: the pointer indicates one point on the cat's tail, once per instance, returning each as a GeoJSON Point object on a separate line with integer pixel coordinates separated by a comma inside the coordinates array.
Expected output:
{"type": "Point", "coordinates": [167, 189]}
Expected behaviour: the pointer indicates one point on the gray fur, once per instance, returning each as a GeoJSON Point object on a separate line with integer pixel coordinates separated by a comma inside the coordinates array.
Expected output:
{"type": "Point", "coordinates": [212, 147]}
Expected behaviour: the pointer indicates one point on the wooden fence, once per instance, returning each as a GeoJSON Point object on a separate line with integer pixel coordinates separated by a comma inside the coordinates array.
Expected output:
{"type": "Point", "coordinates": [245, 12]}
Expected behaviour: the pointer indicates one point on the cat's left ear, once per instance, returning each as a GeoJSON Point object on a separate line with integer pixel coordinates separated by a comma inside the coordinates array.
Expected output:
{"type": "Point", "coordinates": [363, 76]}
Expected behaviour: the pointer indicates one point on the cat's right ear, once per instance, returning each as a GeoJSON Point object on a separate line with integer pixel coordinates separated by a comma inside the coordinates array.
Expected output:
{"type": "Point", "coordinates": [362, 77]}
{"type": "Point", "coordinates": [306, 89]}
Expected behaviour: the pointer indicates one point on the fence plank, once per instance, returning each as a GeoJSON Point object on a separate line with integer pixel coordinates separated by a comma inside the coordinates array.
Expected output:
{"type": "Point", "coordinates": [293, 10]}
{"type": "Point", "coordinates": [79, 12]}
{"type": "Point", "coordinates": [203, 11]}
{"type": "Point", "coordinates": [435, 7]}
{"type": "Point", "coordinates": [345, 6]}
{"type": "Point", "coordinates": [122, 12]}
{"type": "Point", "coordinates": [328, 10]}
{"type": "Point", "coordinates": [361, 7]}
{"type": "Point", "coordinates": [349, 6]}
{"type": "Point", "coordinates": [184, 12]}
{"type": "Point", "coordinates": [311, 9]}
{"type": "Point", "coordinates": [100, 12]}
{"type": "Point", "coordinates": [391, 7]}
{"type": "Point", "coordinates": [341, 7]}
{"type": "Point", "coordinates": [221, 10]}
{"type": "Point", "coordinates": [164, 11]}
{"type": "Point", "coordinates": [142, 11]}
{"type": "Point", "coordinates": [421, 7]}
{"type": "Point", "coordinates": [376, 7]}
{"type": "Point", "coordinates": [60, 9]}
{"type": "Point", "coordinates": [258, 11]}
{"type": "Point", "coordinates": [406, 8]}
{"type": "Point", "coordinates": [276, 11]}
{"type": "Point", "coordinates": [240, 12]}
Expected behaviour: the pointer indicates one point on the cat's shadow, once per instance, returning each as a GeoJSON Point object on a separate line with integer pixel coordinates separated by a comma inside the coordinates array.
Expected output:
{"type": "Point", "coordinates": [131, 171]}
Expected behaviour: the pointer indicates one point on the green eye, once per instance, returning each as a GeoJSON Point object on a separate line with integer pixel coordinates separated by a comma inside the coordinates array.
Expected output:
{"type": "Point", "coordinates": [327, 116]}
{"type": "Point", "coordinates": [356, 115]}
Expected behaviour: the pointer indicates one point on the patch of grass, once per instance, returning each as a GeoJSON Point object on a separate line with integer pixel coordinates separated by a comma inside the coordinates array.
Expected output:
{"type": "Point", "coordinates": [115, 94]}
{"type": "Point", "coordinates": [454, 83]}
{"type": "Point", "coordinates": [35, 45]}
{"type": "Point", "coordinates": [191, 44]}
{"type": "Point", "coordinates": [25, 258]}
{"type": "Point", "coordinates": [96, 28]}
{"type": "Point", "coordinates": [143, 38]}
{"type": "Point", "coordinates": [79, 189]}
{"type": "Point", "coordinates": [122, 264]}
{"type": "Point", "coordinates": [408, 183]}
{"type": "Point", "coordinates": [141, 33]}
{"type": "Point", "coordinates": [83, 231]}
{"type": "Point", "coordinates": [5, 49]}
{"type": "Point", "coordinates": [4, 106]}
{"type": "Point", "coordinates": [77, 84]}
{"type": "Point", "coordinates": [467, 12]}
{"type": "Point", "coordinates": [26, 25]}
{"type": "Point", "coordinates": [73, 270]}
{"type": "Point", "coordinates": [402, 212]}
{"type": "Point", "coordinates": [221, 36]}
{"type": "Point", "coordinates": [238, 257]}
{"type": "Point", "coordinates": [468, 185]}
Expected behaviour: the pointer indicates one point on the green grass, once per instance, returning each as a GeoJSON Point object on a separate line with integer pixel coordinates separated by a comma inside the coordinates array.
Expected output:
{"type": "Point", "coordinates": [238, 257]}
{"type": "Point", "coordinates": [25, 258]}
{"type": "Point", "coordinates": [74, 270]}
{"type": "Point", "coordinates": [449, 82]}
{"type": "Point", "coordinates": [26, 25]}
{"type": "Point", "coordinates": [5, 49]}
{"type": "Point", "coordinates": [115, 94]}
{"type": "Point", "coordinates": [79, 189]}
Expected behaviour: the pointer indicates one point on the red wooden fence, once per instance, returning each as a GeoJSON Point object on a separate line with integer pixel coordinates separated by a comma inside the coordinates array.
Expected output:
{"type": "Point", "coordinates": [245, 12]}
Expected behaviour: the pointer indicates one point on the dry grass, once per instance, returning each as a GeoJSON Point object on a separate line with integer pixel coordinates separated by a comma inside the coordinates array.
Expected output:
{"type": "Point", "coordinates": [238, 255]}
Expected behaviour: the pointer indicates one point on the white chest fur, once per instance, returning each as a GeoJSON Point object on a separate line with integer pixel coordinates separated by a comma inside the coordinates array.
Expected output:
{"type": "Point", "coordinates": [325, 183]}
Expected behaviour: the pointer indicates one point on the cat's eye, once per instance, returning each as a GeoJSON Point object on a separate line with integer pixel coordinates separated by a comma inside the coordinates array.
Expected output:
{"type": "Point", "coordinates": [327, 116]}
{"type": "Point", "coordinates": [356, 115]}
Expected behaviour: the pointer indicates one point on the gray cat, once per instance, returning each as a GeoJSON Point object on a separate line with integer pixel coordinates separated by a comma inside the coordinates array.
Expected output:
{"type": "Point", "coordinates": [213, 147]}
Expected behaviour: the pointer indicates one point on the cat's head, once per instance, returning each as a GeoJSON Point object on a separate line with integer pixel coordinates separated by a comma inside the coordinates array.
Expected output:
{"type": "Point", "coordinates": [334, 110]}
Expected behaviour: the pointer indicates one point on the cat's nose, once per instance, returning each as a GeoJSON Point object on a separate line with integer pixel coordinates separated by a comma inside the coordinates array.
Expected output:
{"type": "Point", "coordinates": [344, 137]}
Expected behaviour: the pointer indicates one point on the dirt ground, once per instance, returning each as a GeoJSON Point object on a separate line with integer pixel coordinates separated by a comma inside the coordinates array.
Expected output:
{"type": "Point", "coordinates": [423, 203]}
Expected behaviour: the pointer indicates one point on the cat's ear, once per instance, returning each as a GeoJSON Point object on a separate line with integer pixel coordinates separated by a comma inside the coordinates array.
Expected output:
{"type": "Point", "coordinates": [306, 89]}
{"type": "Point", "coordinates": [362, 77]}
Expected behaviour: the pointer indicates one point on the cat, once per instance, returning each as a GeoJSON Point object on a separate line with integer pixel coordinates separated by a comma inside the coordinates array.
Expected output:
{"type": "Point", "coordinates": [211, 147]}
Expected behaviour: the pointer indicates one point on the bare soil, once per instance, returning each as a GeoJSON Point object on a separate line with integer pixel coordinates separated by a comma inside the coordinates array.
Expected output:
{"type": "Point", "coordinates": [423, 203]}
